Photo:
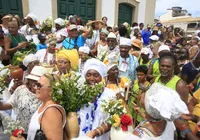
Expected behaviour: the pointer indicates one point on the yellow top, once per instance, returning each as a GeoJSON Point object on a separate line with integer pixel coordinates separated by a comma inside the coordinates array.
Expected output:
{"type": "Point", "coordinates": [122, 84]}
{"type": "Point", "coordinates": [171, 84]}
{"type": "Point", "coordinates": [156, 71]}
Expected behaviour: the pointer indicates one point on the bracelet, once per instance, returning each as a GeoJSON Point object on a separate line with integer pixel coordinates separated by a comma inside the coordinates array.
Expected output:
{"type": "Point", "coordinates": [102, 129]}
{"type": "Point", "coordinates": [99, 132]}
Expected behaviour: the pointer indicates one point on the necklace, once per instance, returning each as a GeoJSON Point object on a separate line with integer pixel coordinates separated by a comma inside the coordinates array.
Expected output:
{"type": "Point", "coordinates": [164, 83]}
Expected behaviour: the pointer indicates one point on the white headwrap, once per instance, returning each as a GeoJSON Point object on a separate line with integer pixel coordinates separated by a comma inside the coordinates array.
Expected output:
{"type": "Point", "coordinates": [112, 59]}
{"type": "Point", "coordinates": [59, 21]}
{"type": "Point", "coordinates": [84, 49]}
{"type": "Point", "coordinates": [125, 41]}
{"type": "Point", "coordinates": [34, 17]}
{"type": "Point", "coordinates": [28, 59]}
{"type": "Point", "coordinates": [164, 103]}
{"type": "Point", "coordinates": [95, 64]}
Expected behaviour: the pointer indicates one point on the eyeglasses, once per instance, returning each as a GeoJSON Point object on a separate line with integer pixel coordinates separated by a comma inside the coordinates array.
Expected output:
{"type": "Point", "coordinates": [39, 86]}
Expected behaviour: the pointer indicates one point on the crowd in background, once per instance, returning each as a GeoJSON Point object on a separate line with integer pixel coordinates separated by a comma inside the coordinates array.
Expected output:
{"type": "Point", "coordinates": [126, 57]}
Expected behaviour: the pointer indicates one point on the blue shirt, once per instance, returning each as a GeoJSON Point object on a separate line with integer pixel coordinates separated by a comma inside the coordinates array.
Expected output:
{"type": "Point", "coordinates": [69, 43]}
{"type": "Point", "coordinates": [41, 46]}
{"type": "Point", "coordinates": [145, 35]}
{"type": "Point", "coordinates": [130, 73]}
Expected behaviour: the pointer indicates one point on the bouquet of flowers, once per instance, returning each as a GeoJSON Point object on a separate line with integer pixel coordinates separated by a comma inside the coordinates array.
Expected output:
{"type": "Point", "coordinates": [118, 116]}
{"type": "Point", "coordinates": [19, 55]}
{"type": "Point", "coordinates": [5, 72]}
{"type": "Point", "coordinates": [72, 92]}
{"type": "Point", "coordinates": [14, 128]}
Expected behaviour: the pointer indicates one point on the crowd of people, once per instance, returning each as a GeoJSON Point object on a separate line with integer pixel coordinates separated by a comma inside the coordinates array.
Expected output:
{"type": "Point", "coordinates": [155, 67]}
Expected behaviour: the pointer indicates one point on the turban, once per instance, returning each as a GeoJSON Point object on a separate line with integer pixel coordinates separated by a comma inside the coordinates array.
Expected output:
{"type": "Point", "coordinates": [34, 18]}
{"type": "Point", "coordinates": [59, 21]}
{"type": "Point", "coordinates": [28, 59]}
{"type": "Point", "coordinates": [71, 56]}
{"type": "Point", "coordinates": [95, 64]}
{"type": "Point", "coordinates": [125, 41]}
{"type": "Point", "coordinates": [164, 103]}
{"type": "Point", "coordinates": [84, 49]}
{"type": "Point", "coordinates": [111, 61]}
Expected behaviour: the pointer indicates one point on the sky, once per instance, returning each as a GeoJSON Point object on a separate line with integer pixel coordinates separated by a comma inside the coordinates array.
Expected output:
{"type": "Point", "coordinates": [192, 6]}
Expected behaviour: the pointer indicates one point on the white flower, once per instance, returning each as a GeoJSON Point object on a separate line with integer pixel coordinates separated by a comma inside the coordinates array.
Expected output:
{"type": "Point", "coordinates": [57, 84]}
{"type": "Point", "coordinates": [60, 91]}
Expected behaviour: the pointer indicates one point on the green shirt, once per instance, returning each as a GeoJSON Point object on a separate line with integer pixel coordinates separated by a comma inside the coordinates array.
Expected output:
{"type": "Point", "coordinates": [15, 40]}
{"type": "Point", "coordinates": [171, 84]}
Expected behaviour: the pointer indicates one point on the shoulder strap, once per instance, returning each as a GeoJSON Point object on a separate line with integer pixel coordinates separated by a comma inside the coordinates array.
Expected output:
{"type": "Point", "coordinates": [44, 112]}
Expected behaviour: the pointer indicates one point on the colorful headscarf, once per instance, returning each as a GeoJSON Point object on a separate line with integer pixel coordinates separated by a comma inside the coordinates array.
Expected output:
{"type": "Point", "coordinates": [71, 55]}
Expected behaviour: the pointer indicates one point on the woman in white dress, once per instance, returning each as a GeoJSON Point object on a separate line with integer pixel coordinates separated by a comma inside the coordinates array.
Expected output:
{"type": "Point", "coordinates": [101, 47]}
{"type": "Point", "coordinates": [162, 110]}
{"type": "Point", "coordinates": [91, 117]}
{"type": "Point", "coordinates": [47, 56]}
{"type": "Point", "coordinates": [61, 32]}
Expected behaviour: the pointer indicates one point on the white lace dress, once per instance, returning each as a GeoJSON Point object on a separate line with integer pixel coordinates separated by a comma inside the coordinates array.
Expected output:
{"type": "Point", "coordinates": [24, 105]}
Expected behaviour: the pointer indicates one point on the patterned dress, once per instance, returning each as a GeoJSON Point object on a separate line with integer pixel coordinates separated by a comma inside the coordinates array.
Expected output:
{"type": "Point", "coordinates": [24, 105]}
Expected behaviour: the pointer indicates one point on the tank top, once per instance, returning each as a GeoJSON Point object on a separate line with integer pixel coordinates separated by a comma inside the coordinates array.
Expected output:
{"type": "Point", "coordinates": [171, 84]}
{"type": "Point", "coordinates": [156, 71]}
{"type": "Point", "coordinates": [16, 40]}
{"type": "Point", "coordinates": [34, 123]}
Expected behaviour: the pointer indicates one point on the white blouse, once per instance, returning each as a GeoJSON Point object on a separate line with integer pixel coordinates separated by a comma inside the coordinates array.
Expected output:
{"type": "Point", "coordinates": [24, 105]}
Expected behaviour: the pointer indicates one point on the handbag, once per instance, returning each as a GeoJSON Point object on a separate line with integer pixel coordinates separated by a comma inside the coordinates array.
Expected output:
{"type": "Point", "coordinates": [40, 135]}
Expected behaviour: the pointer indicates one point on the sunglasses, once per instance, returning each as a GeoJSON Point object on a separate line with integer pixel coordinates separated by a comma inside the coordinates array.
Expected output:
{"type": "Point", "coordinates": [39, 86]}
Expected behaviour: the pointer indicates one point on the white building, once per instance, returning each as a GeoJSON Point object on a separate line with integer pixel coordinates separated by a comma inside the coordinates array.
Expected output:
{"type": "Point", "coordinates": [117, 11]}
{"type": "Point", "coordinates": [174, 13]}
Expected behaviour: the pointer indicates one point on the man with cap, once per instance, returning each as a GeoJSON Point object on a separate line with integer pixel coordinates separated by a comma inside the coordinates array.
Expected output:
{"type": "Point", "coordinates": [83, 55]}
{"type": "Point", "coordinates": [75, 40]}
{"type": "Point", "coordinates": [127, 63]}
{"type": "Point", "coordinates": [113, 48]}
{"type": "Point", "coordinates": [153, 70]}
{"type": "Point", "coordinates": [61, 32]}
{"type": "Point", "coordinates": [144, 59]}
